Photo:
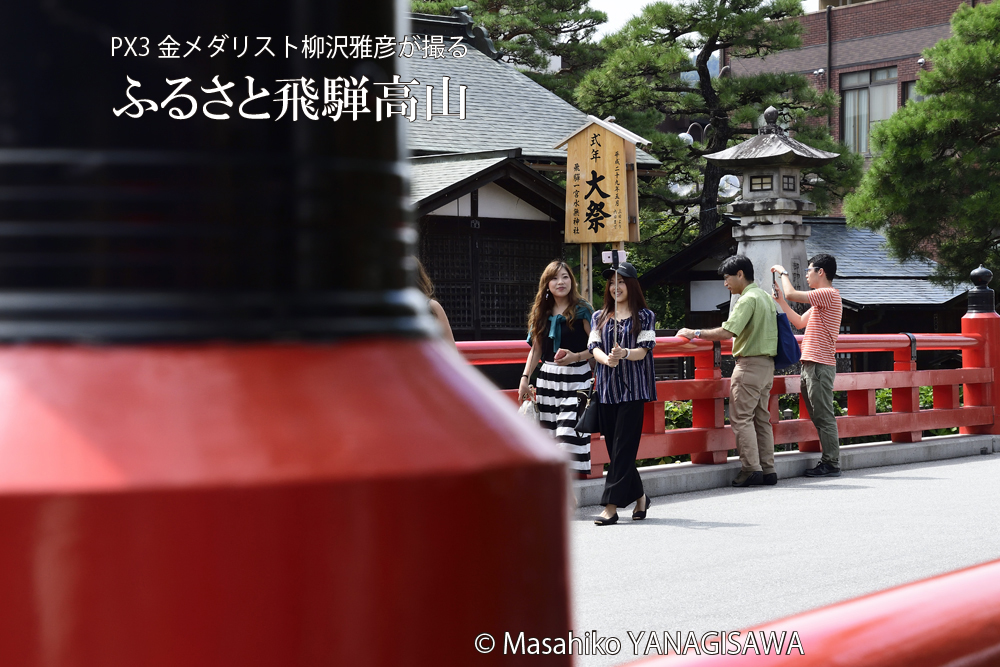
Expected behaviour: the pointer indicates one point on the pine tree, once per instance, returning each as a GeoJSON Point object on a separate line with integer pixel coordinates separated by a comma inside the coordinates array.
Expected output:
{"type": "Point", "coordinates": [529, 32]}
{"type": "Point", "coordinates": [647, 76]}
{"type": "Point", "coordinates": [933, 188]}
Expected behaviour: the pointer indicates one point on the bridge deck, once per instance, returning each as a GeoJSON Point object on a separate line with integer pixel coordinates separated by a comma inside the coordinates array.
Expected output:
{"type": "Point", "coordinates": [728, 559]}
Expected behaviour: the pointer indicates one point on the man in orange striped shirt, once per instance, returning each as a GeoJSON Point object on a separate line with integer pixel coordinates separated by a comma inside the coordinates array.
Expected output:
{"type": "Point", "coordinates": [819, 351]}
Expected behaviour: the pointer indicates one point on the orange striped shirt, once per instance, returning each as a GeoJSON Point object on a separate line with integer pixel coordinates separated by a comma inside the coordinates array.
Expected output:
{"type": "Point", "coordinates": [819, 343]}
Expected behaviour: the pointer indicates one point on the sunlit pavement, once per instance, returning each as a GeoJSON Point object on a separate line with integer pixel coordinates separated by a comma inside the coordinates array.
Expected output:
{"type": "Point", "coordinates": [728, 559]}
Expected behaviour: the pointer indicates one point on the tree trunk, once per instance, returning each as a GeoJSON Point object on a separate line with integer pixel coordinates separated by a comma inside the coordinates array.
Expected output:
{"type": "Point", "coordinates": [708, 217]}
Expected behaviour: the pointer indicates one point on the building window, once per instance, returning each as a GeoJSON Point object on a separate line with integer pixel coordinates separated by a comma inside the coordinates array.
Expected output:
{"type": "Point", "coordinates": [868, 97]}
{"type": "Point", "coordinates": [910, 93]}
{"type": "Point", "coordinates": [760, 183]}
{"type": "Point", "coordinates": [788, 183]}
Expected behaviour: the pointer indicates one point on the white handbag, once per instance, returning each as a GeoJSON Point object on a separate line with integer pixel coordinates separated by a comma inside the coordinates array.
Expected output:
{"type": "Point", "coordinates": [529, 408]}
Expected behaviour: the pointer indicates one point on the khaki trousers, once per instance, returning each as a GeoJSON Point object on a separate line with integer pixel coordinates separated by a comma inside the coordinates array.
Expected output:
{"type": "Point", "coordinates": [750, 389]}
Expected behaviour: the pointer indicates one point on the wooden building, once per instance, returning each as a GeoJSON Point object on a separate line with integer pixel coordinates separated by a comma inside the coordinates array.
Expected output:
{"type": "Point", "coordinates": [489, 214]}
{"type": "Point", "coordinates": [488, 226]}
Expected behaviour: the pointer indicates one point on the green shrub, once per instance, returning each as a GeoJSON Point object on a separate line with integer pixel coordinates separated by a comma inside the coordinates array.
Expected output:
{"type": "Point", "coordinates": [677, 414]}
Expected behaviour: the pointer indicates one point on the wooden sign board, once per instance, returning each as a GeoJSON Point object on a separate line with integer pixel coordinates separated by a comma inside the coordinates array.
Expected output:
{"type": "Point", "coordinates": [598, 187]}
{"type": "Point", "coordinates": [632, 188]}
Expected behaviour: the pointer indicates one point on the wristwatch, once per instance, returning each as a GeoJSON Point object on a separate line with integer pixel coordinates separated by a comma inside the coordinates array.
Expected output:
{"type": "Point", "coordinates": [784, 273]}
{"type": "Point", "coordinates": [697, 334]}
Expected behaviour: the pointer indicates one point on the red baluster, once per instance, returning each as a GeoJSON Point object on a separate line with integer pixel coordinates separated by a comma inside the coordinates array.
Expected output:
{"type": "Point", "coordinates": [708, 412]}
{"type": "Point", "coordinates": [906, 399]}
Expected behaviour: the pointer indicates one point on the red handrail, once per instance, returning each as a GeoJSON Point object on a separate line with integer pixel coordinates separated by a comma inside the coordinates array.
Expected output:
{"type": "Point", "coordinates": [485, 352]}
{"type": "Point", "coordinates": [948, 620]}
{"type": "Point", "coordinates": [951, 619]}
{"type": "Point", "coordinates": [709, 439]}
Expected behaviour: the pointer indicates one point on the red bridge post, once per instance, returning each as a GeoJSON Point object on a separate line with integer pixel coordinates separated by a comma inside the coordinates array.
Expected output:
{"type": "Point", "coordinates": [906, 399]}
{"type": "Point", "coordinates": [708, 412]}
{"type": "Point", "coordinates": [982, 321]}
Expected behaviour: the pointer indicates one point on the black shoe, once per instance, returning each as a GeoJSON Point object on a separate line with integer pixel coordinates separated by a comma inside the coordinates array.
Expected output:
{"type": "Point", "coordinates": [823, 469]}
{"type": "Point", "coordinates": [770, 478]}
{"type": "Point", "coordinates": [638, 515]}
{"type": "Point", "coordinates": [601, 521]}
{"type": "Point", "coordinates": [745, 479]}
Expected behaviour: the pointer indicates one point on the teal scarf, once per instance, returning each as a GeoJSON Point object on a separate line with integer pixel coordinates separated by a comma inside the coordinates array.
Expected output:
{"type": "Point", "coordinates": [555, 330]}
{"type": "Point", "coordinates": [583, 312]}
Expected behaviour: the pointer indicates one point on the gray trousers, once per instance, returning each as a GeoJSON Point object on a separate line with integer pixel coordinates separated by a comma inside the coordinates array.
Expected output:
{"type": "Point", "coordinates": [817, 390]}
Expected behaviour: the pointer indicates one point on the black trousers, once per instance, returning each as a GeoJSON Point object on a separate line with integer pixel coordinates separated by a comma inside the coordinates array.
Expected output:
{"type": "Point", "coordinates": [621, 424]}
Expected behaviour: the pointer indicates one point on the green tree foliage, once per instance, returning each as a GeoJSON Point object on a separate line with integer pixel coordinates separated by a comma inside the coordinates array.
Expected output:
{"type": "Point", "coordinates": [577, 58]}
{"type": "Point", "coordinates": [528, 32]}
{"type": "Point", "coordinates": [641, 83]}
{"type": "Point", "coordinates": [660, 241]}
{"type": "Point", "coordinates": [933, 188]}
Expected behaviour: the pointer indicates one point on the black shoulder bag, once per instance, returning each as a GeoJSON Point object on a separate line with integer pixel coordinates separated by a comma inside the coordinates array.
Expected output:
{"type": "Point", "coordinates": [587, 406]}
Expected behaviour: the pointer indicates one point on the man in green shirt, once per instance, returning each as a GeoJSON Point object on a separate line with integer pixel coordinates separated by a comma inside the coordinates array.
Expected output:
{"type": "Point", "coordinates": [753, 324]}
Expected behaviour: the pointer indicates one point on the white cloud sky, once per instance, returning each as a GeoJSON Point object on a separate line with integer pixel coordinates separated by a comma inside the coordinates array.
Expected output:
{"type": "Point", "coordinates": [620, 11]}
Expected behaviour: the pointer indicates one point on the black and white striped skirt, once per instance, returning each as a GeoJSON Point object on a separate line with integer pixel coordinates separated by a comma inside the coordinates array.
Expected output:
{"type": "Point", "coordinates": [557, 409]}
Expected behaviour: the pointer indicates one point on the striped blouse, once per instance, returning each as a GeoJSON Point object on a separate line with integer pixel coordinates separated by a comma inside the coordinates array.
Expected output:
{"type": "Point", "coordinates": [819, 344]}
{"type": "Point", "coordinates": [629, 380]}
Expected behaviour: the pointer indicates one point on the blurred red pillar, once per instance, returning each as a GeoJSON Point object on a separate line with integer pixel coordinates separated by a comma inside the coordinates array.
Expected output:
{"type": "Point", "coordinates": [264, 505]}
{"type": "Point", "coordinates": [227, 435]}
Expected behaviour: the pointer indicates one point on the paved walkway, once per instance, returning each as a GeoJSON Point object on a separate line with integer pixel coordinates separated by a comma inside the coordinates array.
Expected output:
{"type": "Point", "coordinates": [727, 559]}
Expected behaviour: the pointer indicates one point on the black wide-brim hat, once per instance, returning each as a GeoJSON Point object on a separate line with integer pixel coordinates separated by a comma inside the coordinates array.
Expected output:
{"type": "Point", "coordinates": [624, 269]}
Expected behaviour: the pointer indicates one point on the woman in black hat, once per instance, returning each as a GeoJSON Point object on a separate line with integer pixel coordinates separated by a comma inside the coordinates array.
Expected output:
{"type": "Point", "coordinates": [621, 336]}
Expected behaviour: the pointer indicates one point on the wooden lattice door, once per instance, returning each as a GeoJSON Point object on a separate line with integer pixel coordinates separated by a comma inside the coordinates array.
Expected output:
{"type": "Point", "coordinates": [486, 276]}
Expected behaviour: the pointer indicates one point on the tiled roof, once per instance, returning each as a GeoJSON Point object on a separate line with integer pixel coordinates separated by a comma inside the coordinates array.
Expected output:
{"type": "Point", "coordinates": [504, 109]}
{"type": "Point", "coordinates": [894, 291]}
{"type": "Point", "coordinates": [846, 52]}
{"type": "Point", "coordinates": [866, 275]}
{"type": "Point", "coordinates": [428, 179]}
{"type": "Point", "coordinates": [860, 253]}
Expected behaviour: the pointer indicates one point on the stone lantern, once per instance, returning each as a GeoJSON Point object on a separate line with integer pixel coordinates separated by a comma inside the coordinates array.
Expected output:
{"type": "Point", "coordinates": [771, 230]}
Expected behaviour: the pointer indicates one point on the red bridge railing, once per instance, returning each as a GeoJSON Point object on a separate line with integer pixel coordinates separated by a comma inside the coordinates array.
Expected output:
{"type": "Point", "coordinates": [952, 619]}
{"type": "Point", "coordinates": [709, 438]}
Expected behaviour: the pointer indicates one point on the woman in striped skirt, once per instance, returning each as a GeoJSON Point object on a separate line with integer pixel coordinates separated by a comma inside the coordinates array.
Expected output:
{"type": "Point", "coordinates": [558, 329]}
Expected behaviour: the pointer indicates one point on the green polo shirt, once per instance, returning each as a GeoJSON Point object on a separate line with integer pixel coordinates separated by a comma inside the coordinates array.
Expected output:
{"type": "Point", "coordinates": [754, 324]}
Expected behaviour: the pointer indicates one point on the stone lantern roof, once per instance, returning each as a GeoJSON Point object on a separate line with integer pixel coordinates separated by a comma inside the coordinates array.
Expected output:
{"type": "Point", "coordinates": [771, 230]}
{"type": "Point", "coordinates": [771, 147]}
